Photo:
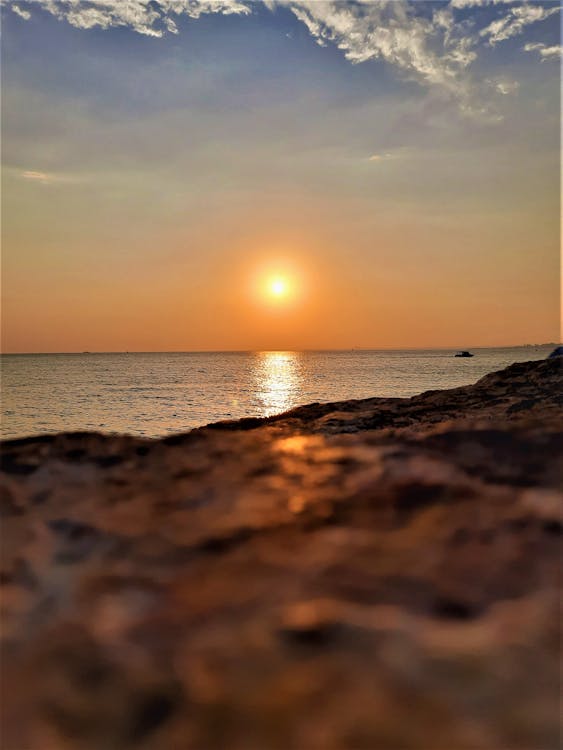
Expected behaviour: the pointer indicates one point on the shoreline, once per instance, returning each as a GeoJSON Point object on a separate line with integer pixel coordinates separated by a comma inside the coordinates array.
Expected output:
{"type": "Point", "coordinates": [303, 413]}
{"type": "Point", "coordinates": [175, 395]}
{"type": "Point", "coordinates": [360, 574]}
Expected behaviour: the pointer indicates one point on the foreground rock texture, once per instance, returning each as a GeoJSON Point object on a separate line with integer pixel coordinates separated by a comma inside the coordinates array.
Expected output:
{"type": "Point", "coordinates": [369, 575]}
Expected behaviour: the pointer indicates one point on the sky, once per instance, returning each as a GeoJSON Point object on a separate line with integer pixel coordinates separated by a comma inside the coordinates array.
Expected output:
{"type": "Point", "coordinates": [396, 164]}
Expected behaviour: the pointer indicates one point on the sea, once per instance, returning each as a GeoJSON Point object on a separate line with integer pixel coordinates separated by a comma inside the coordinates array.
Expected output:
{"type": "Point", "coordinates": [156, 394]}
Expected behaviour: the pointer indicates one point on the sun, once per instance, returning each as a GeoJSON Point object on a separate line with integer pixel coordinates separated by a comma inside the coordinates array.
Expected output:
{"type": "Point", "coordinates": [278, 287]}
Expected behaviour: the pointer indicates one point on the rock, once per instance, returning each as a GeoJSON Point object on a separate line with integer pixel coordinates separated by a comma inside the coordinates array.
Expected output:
{"type": "Point", "coordinates": [379, 574]}
{"type": "Point", "coordinates": [557, 352]}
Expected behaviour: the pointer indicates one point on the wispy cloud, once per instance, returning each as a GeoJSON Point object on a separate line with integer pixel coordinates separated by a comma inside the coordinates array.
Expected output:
{"type": "Point", "coordinates": [426, 49]}
{"type": "Point", "coordinates": [514, 22]}
{"type": "Point", "coordinates": [46, 178]}
{"type": "Point", "coordinates": [42, 177]}
{"type": "Point", "coordinates": [503, 85]}
{"type": "Point", "coordinates": [544, 51]}
{"type": "Point", "coordinates": [25, 14]}
{"type": "Point", "coordinates": [478, 3]}
{"type": "Point", "coordinates": [149, 18]}
{"type": "Point", "coordinates": [430, 44]}
{"type": "Point", "coordinates": [399, 153]}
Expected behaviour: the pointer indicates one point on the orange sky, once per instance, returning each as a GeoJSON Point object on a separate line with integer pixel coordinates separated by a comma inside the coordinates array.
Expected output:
{"type": "Point", "coordinates": [220, 302]}
{"type": "Point", "coordinates": [151, 185]}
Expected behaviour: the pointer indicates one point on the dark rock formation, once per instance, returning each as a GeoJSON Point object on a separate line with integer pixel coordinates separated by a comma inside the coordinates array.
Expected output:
{"type": "Point", "coordinates": [367, 575]}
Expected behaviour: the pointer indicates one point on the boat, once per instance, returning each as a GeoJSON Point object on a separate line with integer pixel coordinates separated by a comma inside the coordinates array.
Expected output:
{"type": "Point", "coordinates": [463, 354]}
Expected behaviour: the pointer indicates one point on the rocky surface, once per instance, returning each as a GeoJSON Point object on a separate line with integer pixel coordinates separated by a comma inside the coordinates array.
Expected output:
{"type": "Point", "coordinates": [368, 575]}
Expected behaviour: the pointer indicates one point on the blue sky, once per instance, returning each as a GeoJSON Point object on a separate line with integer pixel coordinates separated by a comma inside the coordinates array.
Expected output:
{"type": "Point", "coordinates": [407, 163]}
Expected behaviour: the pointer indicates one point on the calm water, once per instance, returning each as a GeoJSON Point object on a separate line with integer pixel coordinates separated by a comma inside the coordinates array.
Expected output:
{"type": "Point", "coordinates": [156, 394]}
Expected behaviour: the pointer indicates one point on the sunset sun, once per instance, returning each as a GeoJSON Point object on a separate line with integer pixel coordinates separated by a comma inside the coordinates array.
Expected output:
{"type": "Point", "coordinates": [278, 287]}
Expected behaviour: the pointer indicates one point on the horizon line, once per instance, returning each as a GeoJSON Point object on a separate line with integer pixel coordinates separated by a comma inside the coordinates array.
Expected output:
{"type": "Point", "coordinates": [259, 351]}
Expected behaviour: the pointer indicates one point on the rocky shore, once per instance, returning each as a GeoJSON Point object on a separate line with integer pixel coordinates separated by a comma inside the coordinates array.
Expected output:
{"type": "Point", "coordinates": [367, 575]}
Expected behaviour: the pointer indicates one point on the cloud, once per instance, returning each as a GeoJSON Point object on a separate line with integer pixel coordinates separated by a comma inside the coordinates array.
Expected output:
{"type": "Point", "coordinates": [148, 18]}
{"type": "Point", "coordinates": [46, 178]}
{"type": "Point", "coordinates": [503, 85]}
{"type": "Point", "coordinates": [25, 14]}
{"type": "Point", "coordinates": [514, 22]}
{"type": "Point", "coordinates": [545, 52]}
{"type": "Point", "coordinates": [477, 3]}
{"type": "Point", "coordinates": [427, 43]}
{"type": "Point", "coordinates": [36, 176]}
{"type": "Point", "coordinates": [398, 153]}
{"type": "Point", "coordinates": [423, 48]}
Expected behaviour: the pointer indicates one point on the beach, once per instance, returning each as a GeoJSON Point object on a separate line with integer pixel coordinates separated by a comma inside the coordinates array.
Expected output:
{"type": "Point", "coordinates": [379, 573]}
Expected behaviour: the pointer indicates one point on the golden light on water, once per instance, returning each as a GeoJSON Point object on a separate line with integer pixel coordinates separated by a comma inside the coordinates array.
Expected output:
{"type": "Point", "coordinates": [278, 380]}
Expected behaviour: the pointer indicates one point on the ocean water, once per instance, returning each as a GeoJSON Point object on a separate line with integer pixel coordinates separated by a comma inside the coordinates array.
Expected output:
{"type": "Point", "coordinates": [156, 394]}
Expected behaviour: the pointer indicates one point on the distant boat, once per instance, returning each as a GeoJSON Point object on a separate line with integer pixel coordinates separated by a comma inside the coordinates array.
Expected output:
{"type": "Point", "coordinates": [463, 354]}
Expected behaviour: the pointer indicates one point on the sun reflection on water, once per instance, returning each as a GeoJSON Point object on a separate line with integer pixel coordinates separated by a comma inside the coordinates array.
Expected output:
{"type": "Point", "coordinates": [278, 381]}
